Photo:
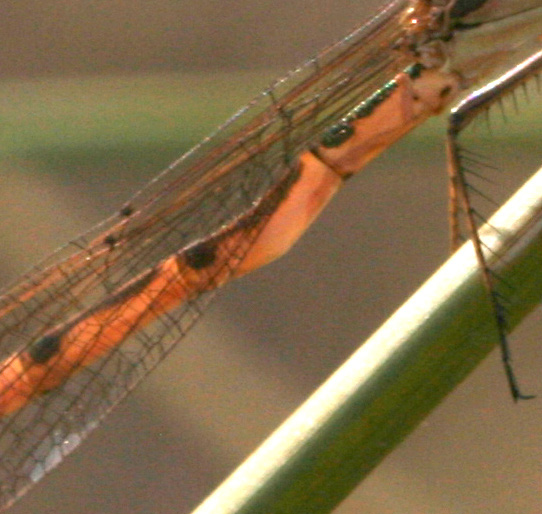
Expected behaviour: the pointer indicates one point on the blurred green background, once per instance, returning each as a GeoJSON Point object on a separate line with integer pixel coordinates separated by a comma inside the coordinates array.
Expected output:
{"type": "Point", "coordinates": [96, 98]}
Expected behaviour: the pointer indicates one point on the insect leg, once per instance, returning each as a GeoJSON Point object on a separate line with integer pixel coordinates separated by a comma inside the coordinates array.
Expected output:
{"type": "Point", "coordinates": [462, 115]}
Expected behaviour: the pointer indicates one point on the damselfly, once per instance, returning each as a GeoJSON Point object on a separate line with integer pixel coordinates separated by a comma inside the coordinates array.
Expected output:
{"type": "Point", "coordinates": [82, 329]}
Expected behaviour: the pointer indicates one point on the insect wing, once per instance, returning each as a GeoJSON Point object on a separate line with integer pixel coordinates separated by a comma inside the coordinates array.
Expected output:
{"type": "Point", "coordinates": [206, 190]}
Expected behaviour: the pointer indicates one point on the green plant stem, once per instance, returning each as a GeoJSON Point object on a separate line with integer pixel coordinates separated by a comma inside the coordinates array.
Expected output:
{"type": "Point", "coordinates": [395, 379]}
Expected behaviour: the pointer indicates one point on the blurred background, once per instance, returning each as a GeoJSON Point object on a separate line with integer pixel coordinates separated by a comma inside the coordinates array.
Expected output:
{"type": "Point", "coordinates": [95, 99]}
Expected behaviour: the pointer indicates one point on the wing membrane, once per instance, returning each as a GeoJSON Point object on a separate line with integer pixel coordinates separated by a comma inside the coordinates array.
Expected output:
{"type": "Point", "coordinates": [204, 191]}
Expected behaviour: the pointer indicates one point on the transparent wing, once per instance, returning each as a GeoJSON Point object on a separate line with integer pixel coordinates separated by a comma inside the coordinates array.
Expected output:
{"type": "Point", "coordinates": [198, 195]}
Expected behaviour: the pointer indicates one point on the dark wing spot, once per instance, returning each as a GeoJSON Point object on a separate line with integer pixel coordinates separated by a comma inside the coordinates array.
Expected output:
{"type": "Point", "coordinates": [200, 255]}
{"type": "Point", "coordinates": [126, 211]}
{"type": "Point", "coordinates": [110, 240]}
{"type": "Point", "coordinates": [43, 349]}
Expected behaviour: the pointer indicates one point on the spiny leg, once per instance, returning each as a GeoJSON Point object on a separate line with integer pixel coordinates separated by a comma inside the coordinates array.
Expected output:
{"type": "Point", "coordinates": [461, 117]}
{"type": "Point", "coordinates": [460, 189]}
